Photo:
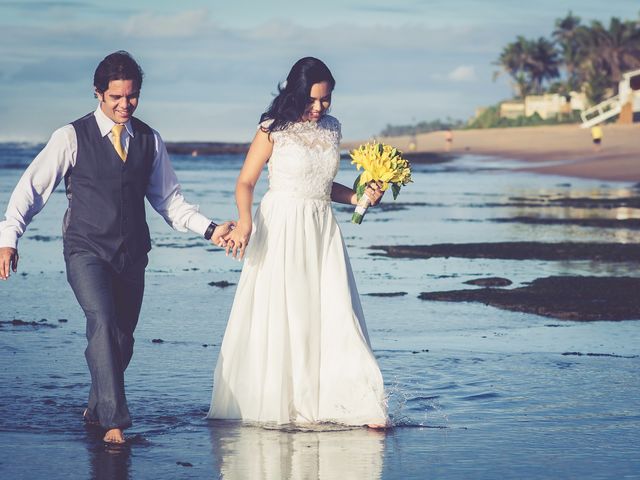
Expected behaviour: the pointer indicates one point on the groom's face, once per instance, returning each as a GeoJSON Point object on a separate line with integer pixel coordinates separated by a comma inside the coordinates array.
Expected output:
{"type": "Point", "coordinates": [119, 100]}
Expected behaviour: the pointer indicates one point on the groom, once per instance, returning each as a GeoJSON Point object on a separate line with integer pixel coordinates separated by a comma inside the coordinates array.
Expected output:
{"type": "Point", "coordinates": [110, 162]}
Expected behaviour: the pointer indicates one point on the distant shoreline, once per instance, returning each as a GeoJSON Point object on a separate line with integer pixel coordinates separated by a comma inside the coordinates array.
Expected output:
{"type": "Point", "coordinates": [565, 150]}
{"type": "Point", "coordinates": [559, 149]}
{"type": "Point", "coordinates": [206, 148]}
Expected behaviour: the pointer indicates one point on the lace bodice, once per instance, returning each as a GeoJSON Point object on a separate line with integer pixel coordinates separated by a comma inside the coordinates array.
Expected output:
{"type": "Point", "coordinates": [305, 158]}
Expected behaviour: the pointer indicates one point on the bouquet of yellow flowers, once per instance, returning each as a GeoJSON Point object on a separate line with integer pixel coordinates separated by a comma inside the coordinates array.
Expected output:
{"type": "Point", "coordinates": [380, 163]}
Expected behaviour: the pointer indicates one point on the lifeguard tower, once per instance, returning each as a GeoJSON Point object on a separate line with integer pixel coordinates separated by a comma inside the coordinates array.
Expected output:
{"type": "Point", "coordinates": [626, 103]}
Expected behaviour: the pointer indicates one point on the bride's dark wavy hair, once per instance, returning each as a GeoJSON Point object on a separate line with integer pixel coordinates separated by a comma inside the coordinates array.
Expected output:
{"type": "Point", "coordinates": [293, 97]}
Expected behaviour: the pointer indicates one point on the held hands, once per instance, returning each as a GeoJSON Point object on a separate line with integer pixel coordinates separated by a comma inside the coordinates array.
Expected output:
{"type": "Point", "coordinates": [238, 239]}
{"type": "Point", "coordinates": [8, 261]}
{"type": "Point", "coordinates": [221, 231]}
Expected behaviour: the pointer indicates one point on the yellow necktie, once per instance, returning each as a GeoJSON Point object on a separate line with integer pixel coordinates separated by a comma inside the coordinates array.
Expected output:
{"type": "Point", "coordinates": [116, 131]}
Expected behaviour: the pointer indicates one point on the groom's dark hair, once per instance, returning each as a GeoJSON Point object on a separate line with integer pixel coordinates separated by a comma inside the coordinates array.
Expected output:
{"type": "Point", "coordinates": [119, 65]}
{"type": "Point", "coordinates": [293, 95]}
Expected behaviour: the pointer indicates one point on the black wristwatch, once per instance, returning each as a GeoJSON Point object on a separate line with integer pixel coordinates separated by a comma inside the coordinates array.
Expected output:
{"type": "Point", "coordinates": [209, 233]}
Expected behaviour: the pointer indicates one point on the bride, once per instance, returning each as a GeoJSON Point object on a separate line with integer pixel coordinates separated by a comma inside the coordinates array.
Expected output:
{"type": "Point", "coordinates": [296, 349]}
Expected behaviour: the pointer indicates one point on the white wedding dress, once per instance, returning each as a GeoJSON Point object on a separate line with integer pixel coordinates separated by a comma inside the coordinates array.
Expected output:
{"type": "Point", "coordinates": [296, 349]}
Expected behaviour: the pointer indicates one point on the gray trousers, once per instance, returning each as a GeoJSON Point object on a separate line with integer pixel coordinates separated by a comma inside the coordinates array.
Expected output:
{"type": "Point", "coordinates": [111, 296]}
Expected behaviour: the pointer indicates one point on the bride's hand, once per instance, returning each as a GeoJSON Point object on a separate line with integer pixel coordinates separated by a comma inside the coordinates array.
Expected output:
{"type": "Point", "coordinates": [374, 192]}
{"type": "Point", "coordinates": [238, 239]}
{"type": "Point", "coordinates": [221, 233]}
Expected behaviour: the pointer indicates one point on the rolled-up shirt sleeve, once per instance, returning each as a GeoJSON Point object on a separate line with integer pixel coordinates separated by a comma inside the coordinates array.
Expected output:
{"type": "Point", "coordinates": [37, 183]}
{"type": "Point", "coordinates": [165, 195]}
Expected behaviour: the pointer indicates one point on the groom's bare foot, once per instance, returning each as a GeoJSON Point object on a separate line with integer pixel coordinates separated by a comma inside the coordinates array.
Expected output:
{"type": "Point", "coordinates": [377, 426]}
{"type": "Point", "coordinates": [115, 436]}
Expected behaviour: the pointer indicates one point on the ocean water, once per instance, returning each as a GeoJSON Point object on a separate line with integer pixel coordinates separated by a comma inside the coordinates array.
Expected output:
{"type": "Point", "coordinates": [474, 391]}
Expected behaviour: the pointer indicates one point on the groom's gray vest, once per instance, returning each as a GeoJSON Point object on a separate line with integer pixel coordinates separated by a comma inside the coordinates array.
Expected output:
{"type": "Point", "coordinates": [106, 195]}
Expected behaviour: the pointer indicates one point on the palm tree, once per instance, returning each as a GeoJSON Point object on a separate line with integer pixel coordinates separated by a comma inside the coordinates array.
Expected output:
{"type": "Point", "coordinates": [620, 48]}
{"type": "Point", "coordinates": [543, 63]}
{"type": "Point", "coordinates": [529, 63]}
{"type": "Point", "coordinates": [565, 35]}
{"type": "Point", "coordinates": [513, 60]}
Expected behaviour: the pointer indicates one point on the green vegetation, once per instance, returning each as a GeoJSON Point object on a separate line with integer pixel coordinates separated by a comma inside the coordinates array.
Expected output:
{"type": "Point", "coordinates": [422, 127]}
{"type": "Point", "coordinates": [589, 58]}
{"type": "Point", "coordinates": [490, 118]}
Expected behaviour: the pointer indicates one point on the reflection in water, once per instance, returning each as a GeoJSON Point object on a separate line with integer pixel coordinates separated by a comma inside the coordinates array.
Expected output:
{"type": "Point", "coordinates": [263, 454]}
{"type": "Point", "coordinates": [109, 463]}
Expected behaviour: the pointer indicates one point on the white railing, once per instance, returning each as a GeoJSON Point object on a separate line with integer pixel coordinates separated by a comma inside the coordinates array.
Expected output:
{"type": "Point", "coordinates": [601, 112]}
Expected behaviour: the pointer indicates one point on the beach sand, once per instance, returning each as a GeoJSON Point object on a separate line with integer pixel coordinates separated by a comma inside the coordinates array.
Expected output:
{"type": "Point", "coordinates": [558, 149]}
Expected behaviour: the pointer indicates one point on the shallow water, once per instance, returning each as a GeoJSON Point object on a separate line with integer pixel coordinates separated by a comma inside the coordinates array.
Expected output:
{"type": "Point", "coordinates": [474, 392]}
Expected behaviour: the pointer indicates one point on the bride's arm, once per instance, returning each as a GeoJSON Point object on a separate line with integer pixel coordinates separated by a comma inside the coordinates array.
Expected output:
{"type": "Point", "coordinates": [259, 153]}
{"type": "Point", "coordinates": [343, 194]}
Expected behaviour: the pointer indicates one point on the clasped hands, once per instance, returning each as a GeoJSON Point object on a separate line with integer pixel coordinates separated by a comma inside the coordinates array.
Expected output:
{"type": "Point", "coordinates": [236, 240]}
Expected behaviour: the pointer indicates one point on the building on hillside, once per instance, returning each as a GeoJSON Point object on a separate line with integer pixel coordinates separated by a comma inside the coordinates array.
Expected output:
{"type": "Point", "coordinates": [548, 105]}
{"type": "Point", "coordinates": [512, 109]}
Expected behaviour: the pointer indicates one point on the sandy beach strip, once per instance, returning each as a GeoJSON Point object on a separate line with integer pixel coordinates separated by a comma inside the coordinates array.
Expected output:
{"type": "Point", "coordinates": [558, 149]}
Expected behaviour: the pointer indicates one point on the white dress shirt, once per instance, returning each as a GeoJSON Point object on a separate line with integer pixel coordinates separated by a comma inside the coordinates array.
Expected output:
{"type": "Point", "coordinates": [59, 155]}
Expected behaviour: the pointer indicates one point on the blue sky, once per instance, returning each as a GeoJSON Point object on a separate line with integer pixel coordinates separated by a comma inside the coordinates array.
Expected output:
{"type": "Point", "coordinates": [212, 66]}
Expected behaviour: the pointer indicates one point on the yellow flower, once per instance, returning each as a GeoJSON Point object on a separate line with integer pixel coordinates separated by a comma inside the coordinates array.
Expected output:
{"type": "Point", "coordinates": [381, 163]}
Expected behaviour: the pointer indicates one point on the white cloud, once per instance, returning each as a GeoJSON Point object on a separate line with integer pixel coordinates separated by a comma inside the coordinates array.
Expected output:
{"type": "Point", "coordinates": [185, 24]}
{"type": "Point", "coordinates": [462, 73]}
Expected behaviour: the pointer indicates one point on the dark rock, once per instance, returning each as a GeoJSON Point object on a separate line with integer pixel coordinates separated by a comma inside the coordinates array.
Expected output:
{"type": "Point", "coordinates": [387, 206]}
{"type": "Point", "coordinates": [43, 238]}
{"type": "Point", "coordinates": [62, 320]}
{"type": "Point", "coordinates": [580, 354]}
{"type": "Point", "coordinates": [562, 297]}
{"type": "Point", "coordinates": [627, 223]}
{"type": "Point", "coordinates": [544, 201]}
{"type": "Point", "coordinates": [176, 245]}
{"type": "Point", "coordinates": [220, 284]}
{"type": "Point", "coordinates": [157, 340]}
{"type": "Point", "coordinates": [490, 282]}
{"type": "Point", "coordinates": [611, 252]}
{"type": "Point", "coordinates": [387, 294]}
{"type": "Point", "coordinates": [21, 323]}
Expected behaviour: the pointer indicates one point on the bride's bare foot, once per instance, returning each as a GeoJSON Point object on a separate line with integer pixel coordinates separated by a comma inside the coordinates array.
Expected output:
{"type": "Point", "coordinates": [115, 436]}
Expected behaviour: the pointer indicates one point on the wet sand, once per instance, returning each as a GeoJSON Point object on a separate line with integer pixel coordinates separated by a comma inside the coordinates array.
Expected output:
{"type": "Point", "coordinates": [559, 149]}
